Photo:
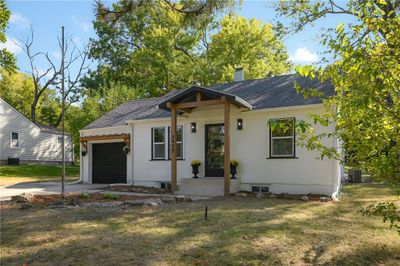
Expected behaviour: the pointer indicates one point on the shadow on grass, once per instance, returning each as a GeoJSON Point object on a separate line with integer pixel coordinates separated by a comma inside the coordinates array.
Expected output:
{"type": "Point", "coordinates": [239, 231]}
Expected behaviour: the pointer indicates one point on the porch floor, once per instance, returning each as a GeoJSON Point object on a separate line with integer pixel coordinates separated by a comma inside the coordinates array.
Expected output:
{"type": "Point", "coordinates": [206, 186]}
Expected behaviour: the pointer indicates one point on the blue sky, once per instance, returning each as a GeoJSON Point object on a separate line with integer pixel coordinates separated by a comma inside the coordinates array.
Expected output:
{"type": "Point", "coordinates": [47, 17]}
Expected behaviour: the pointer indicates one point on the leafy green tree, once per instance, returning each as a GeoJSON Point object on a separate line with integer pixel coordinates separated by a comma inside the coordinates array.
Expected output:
{"type": "Point", "coordinates": [249, 44]}
{"type": "Point", "coordinates": [7, 59]}
{"type": "Point", "coordinates": [151, 49]}
{"type": "Point", "coordinates": [366, 76]}
{"type": "Point", "coordinates": [155, 48]}
{"type": "Point", "coordinates": [17, 89]}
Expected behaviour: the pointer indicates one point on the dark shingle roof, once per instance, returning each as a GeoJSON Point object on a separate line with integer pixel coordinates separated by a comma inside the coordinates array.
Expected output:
{"type": "Point", "coordinates": [276, 91]}
{"type": "Point", "coordinates": [49, 129]}
{"type": "Point", "coordinates": [260, 93]}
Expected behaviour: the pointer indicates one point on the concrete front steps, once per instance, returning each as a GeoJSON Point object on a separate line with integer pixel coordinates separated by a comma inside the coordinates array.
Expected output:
{"type": "Point", "coordinates": [206, 186]}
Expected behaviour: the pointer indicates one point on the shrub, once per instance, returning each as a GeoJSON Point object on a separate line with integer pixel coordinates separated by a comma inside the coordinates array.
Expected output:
{"type": "Point", "coordinates": [195, 162]}
{"type": "Point", "coordinates": [84, 195]}
{"type": "Point", "coordinates": [110, 196]}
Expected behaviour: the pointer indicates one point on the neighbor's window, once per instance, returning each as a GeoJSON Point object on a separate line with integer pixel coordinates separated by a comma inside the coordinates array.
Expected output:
{"type": "Point", "coordinates": [282, 137]}
{"type": "Point", "coordinates": [59, 142]}
{"type": "Point", "coordinates": [179, 142]}
{"type": "Point", "coordinates": [14, 140]}
{"type": "Point", "coordinates": [158, 140]}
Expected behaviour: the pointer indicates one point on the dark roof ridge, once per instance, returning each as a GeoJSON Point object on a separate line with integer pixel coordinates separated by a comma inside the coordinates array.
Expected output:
{"type": "Point", "coordinates": [246, 80]}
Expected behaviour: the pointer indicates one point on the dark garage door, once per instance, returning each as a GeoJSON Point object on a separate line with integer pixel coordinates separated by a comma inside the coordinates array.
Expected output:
{"type": "Point", "coordinates": [109, 163]}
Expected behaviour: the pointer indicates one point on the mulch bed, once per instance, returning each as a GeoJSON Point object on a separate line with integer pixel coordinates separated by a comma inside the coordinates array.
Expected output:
{"type": "Point", "coordinates": [75, 199]}
{"type": "Point", "coordinates": [139, 189]}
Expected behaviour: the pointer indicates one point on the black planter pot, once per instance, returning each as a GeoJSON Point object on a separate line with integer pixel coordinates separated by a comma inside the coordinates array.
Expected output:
{"type": "Point", "coordinates": [233, 171]}
{"type": "Point", "coordinates": [195, 171]}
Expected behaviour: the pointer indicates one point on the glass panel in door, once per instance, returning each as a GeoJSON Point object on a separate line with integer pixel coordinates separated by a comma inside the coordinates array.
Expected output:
{"type": "Point", "coordinates": [214, 161]}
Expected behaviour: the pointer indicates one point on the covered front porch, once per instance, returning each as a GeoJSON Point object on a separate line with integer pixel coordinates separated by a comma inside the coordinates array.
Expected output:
{"type": "Point", "coordinates": [217, 180]}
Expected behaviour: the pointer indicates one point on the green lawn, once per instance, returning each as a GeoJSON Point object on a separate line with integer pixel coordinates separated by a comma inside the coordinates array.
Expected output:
{"type": "Point", "coordinates": [11, 174]}
{"type": "Point", "coordinates": [239, 231]}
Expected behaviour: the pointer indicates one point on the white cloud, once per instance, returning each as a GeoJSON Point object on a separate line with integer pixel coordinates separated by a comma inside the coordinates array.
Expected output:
{"type": "Point", "coordinates": [303, 55]}
{"type": "Point", "coordinates": [20, 20]}
{"type": "Point", "coordinates": [56, 55]}
{"type": "Point", "coordinates": [41, 71]}
{"type": "Point", "coordinates": [77, 41]}
{"type": "Point", "coordinates": [11, 45]}
{"type": "Point", "coordinates": [85, 26]}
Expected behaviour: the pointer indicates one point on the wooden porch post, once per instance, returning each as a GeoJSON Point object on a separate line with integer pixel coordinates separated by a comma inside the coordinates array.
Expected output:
{"type": "Point", "coordinates": [173, 148]}
{"type": "Point", "coordinates": [227, 148]}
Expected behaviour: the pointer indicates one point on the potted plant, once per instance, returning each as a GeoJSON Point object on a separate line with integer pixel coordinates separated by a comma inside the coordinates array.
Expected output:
{"type": "Point", "coordinates": [195, 168]}
{"type": "Point", "coordinates": [233, 166]}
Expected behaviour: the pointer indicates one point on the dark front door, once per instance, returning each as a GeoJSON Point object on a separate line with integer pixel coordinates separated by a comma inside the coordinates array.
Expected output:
{"type": "Point", "coordinates": [109, 163]}
{"type": "Point", "coordinates": [214, 161]}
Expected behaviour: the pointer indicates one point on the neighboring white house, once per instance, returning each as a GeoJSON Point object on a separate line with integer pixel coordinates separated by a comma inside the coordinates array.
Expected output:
{"type": "Point", "coordinates": [28, 142]}
{"type": "Point", "coordinates": [132, 143]}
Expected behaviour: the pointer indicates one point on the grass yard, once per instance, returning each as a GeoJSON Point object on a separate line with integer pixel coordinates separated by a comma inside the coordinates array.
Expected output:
{"type": "Point", "coordinates": [12, 174]}
{"type": "Point", "coordinates": [239, 231]}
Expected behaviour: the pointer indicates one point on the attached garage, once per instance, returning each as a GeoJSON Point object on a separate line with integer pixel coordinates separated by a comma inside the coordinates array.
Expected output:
{"type": "Point", "coordinates": [108, 163]}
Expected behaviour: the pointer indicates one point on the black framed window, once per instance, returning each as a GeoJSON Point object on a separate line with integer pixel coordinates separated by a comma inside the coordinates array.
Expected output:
{"type": "Point", "coordinates": [282, 138]}
{"type": "Point", "coordinates": [14, 140]}
{"type": "Point", "coordinates": [158, 143]}
{"type": "Point", "coordinates": [179, 142]}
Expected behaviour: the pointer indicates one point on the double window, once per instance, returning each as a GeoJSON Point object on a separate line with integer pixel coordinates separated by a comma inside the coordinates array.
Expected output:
{"type": "Point", "coordinates": [282, 138]}
{"type": "Point", "coordinates": [160, 144]}
{"type": "Point", "coordinates": [14, 140]}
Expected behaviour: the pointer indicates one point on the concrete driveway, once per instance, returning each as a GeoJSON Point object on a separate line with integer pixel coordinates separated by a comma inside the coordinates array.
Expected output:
{"type": "Point", "coordinates": [47, 188]}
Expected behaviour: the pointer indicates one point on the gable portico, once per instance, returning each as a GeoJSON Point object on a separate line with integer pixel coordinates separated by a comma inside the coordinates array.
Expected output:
{"type": "Point", "coordinates": [198, 97]}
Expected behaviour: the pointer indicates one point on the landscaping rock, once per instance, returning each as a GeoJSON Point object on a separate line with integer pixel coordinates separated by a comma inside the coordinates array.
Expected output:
{"type": "Point", "coordinates": [241, 194]}
{"type": "Point", "coordinates": [304, 198]}
{"type": "Point", "coordinates": [153, 202]}
{"type": "Point", "coordinates": [180, 198]}
{"type": "Point", "coordinates": [324, 199]}
{"type": "Point", "coordinates": [19, 199]}
{"type": "Point", "coordinates": [272, 196]}
{"type": "Point", "coordinates": [259, 195]}
{"type": "Point", "coordinates": [167, 199]}
{"type": "Point", "coordinates": [192, 199]}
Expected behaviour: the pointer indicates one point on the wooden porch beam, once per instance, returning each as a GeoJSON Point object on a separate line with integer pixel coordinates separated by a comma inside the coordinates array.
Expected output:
{"type": "Point", "coordinates": [173, 148]}
{"type": "Point", "coordinates": [199, 104]}
{"type": "Point", "coordinates": [124, 137]}
{"type": "Point", "coordinates": [227, 149]}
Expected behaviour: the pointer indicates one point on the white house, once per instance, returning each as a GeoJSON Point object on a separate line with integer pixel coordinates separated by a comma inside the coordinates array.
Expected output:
{"type": "Point", "coordinates": [133, 143]}
{"type": "Point", "coordinates": [27, 142]}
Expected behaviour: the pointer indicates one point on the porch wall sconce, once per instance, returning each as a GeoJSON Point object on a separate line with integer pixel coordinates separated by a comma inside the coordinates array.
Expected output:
{"type": "Point", "coordinates": [84, 149]}
{"type": "Point", "coordinates": [193, 127]}
{"type": "Point", "coordinates": [239, 124]}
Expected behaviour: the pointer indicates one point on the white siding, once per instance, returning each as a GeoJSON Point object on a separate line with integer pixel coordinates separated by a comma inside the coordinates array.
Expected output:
{"type": "Point", "coordinates": [249, 146]}
{"type": "Point", "coordinates": [35, 145]}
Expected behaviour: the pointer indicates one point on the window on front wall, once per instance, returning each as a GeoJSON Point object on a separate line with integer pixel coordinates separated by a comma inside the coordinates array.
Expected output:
{"type": "Point", "coordinates": [282, 137]}
{"type": "Point", "coordinates": [158, 142]}
{"type": "Point", "coordinates": [179, 142]}
{"type": "Point", "coordinates": [14, 140]}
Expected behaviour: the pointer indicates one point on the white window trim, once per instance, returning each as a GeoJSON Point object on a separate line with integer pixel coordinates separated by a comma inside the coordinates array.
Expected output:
{"type": "Point", "coordinates": [182, 142]}
{"type": "Point", "coordinates": [11, 140]}
{"type": "Point", "coordinates": [285, 137]}
{"type": "Point", "coordinates": [153, 155]}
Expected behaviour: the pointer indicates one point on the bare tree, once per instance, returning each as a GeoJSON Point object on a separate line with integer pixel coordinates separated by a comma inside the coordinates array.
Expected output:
{"type": "Point", "coordinates": [50, 78]}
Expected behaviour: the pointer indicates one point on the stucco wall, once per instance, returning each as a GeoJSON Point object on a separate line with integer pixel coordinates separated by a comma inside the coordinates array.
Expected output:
{"type": "Point", "coordinates": [35, 145]}
{"type": "Point", "coordinates": [249, 146]}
